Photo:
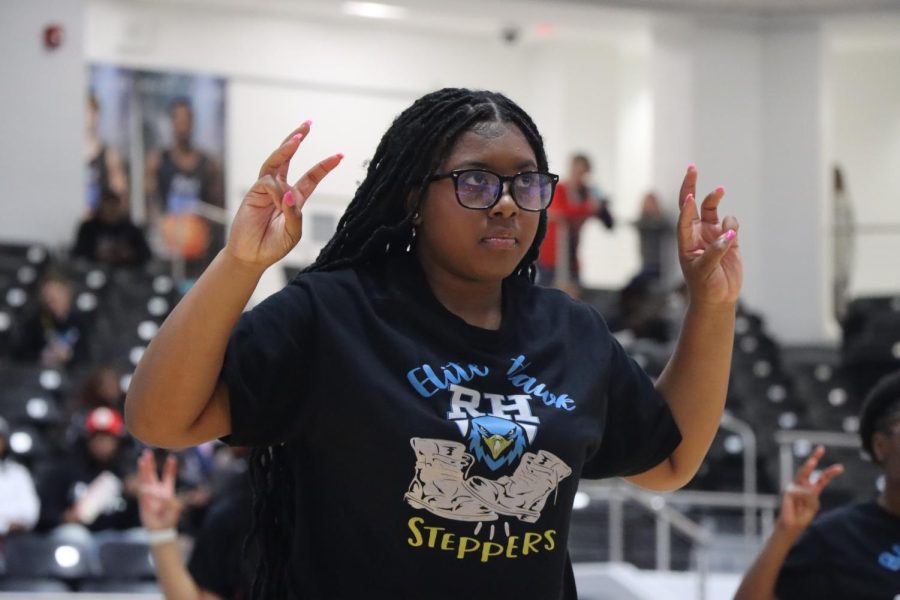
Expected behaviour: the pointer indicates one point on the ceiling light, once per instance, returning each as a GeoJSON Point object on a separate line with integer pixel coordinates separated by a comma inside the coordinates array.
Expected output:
{"type": "Point", "coordinates": [373, 10]}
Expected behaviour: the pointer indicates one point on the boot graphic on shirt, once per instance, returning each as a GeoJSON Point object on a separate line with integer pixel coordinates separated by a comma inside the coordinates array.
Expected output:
{"type": "Point", "coordinates": [439, 482]}
{"type": "Point", "coordinates": [523, 494]}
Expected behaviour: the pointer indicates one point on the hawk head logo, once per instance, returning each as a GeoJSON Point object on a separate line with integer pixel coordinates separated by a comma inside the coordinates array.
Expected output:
{"type": "Point", "coordinates": [495, 441]}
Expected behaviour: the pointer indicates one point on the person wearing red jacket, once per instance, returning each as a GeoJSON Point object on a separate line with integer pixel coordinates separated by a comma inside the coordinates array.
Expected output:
{"type": "Point", "coordinates": [574, 202]}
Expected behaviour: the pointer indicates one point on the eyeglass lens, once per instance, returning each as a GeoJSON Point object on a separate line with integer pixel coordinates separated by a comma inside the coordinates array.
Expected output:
{"type": "Point", "coordinates": [480, 189]}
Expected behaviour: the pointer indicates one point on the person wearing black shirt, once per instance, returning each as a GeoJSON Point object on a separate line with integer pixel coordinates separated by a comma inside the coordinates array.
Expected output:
{"type": "Point", "coordinates": [110, 237]}
{"type": "Point", "coordinates": [850, 553]}
{"type": "Point", "coordinates": [420, 412]}
{"type": "Point", "coordinates": [179, 181]}
{"type": "Point", "coordinates": [53, 334]}
{"type": "Point", "coordinates": [218, 567]}
{"type": "Point", "coordinates": [93, 486]}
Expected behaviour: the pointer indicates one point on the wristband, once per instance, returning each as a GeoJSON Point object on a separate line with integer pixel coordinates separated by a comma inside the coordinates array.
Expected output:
{"type": "Point", "coordinates": [161, 536]}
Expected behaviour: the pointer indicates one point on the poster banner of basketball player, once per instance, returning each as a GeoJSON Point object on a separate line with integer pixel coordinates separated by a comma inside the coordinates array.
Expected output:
{"type": "Point", "coordinates": [183, 135]}
{"type": "Point", "coordinates": [167, 131]}
{"type": "Point", "coordinates": [108, 135]}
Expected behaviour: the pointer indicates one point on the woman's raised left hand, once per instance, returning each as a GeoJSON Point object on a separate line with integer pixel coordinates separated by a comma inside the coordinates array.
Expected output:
{"type": "Point", "coordinates": [707, 246]}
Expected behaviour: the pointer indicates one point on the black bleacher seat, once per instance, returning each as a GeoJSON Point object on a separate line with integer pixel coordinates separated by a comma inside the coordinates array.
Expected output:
{"type": "Point", "coordinates": [861, 310]}
{"type": "Point", "coordinates": [870, 347]}
{"type": "Point", "coordinates": [7, 320]}
{"type": "Point", "coordinates": [34, 258]}
{"type": "Point", "coordinates": [59, 555]}
{"type": "Point", "coordinates": [126, 561]}
{"type": "Point", "coordinates": [30, 406]}
{"type": "Point", "coordinates": [28, 444]}
{"type": "Point", "coordinates": [16, 301]}
{"type": "Point", "coordinates": [113, 586]}
{"type": "Point", "coordinates": [33, 586]}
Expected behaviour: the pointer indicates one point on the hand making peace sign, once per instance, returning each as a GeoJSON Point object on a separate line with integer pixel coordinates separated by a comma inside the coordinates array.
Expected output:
{"type": "Point", "coordinates": [707, 247]}
{"type": "Point", "coordinates": [801, 499]}
{"type": "Point", "coordinates": [268, 223]}
{"type": "Point", "coordinates": [160, 508]}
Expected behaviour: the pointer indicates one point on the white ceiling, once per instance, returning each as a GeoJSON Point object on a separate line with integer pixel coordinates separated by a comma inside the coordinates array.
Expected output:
{"type": "Point", "coordinates": [752, 6]}
{"type": "Point", "coordinates": [593, 21]}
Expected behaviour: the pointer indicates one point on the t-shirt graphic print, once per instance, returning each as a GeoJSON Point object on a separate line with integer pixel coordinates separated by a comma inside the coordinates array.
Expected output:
{"type": "Point", "coordinates": [497, 435]}
{"type": "Point", "coordinates": [431, 457]}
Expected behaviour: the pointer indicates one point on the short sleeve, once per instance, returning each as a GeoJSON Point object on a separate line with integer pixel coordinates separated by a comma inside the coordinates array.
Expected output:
{"type": "Point", "coordinates": [804, 573]}
{"type": "Point", "coordinates": [265, 362]}
{"type": "Point", "coordinates": [639, 430]}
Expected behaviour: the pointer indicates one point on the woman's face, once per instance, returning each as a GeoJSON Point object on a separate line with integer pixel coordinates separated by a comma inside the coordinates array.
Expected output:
{"type": "Point", "coordinates": [108, 386]}
{"type": "Point", "coordinates": [579, 169]}
{"type": "Point", "coordinates": [478, 245]}
{"type": "Point", "coordinates": [887, 451]}
{"type": "Point", "coordinates": [103, 447]}
{"type": "Point", "coordinates": [57, 297]}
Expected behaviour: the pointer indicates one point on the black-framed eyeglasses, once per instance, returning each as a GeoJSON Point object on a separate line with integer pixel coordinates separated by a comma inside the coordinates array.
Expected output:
{"type": "Point", "coordinates": [479, 189]}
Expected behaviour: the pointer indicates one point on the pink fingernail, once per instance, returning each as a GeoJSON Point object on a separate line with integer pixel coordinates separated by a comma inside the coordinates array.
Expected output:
{"type": "Point", "coordinates": [340, 155]}
{"type": "Point", "coordinates": [307, 122]}
{"type": "Point", "coordinates": [692, 167]}
{"type": "Point", "coordinates": [297, 137]}
{"type": "Point", "coordinates": [729, 235]}
{"type": "Point", "coordinates": [720, 190]}
{"type": "Point", "coordinates": [288, 198]}
{"type": "Point", "coordinates": [690, 198]}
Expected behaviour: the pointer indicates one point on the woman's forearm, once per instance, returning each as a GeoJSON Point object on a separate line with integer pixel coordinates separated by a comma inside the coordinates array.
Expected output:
{"type": "Point", "coordinates": [180, 369]}
{"type": "Point", "coordinates": [174, 580]}
{"type": "Point", "coordinates": [694, 384]}
{"type": "Point", "coordinates": [759, 581]}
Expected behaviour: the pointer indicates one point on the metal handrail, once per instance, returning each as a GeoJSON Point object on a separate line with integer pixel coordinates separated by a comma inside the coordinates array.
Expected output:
{"type": "Point", "coordinates": [663, 507]}
{"type": "Point", "coordinates": [666, 518]}
{"type": "Point", "coordinates": [785, 439]}
{"type": "Point", "coordinates": [748, 437]}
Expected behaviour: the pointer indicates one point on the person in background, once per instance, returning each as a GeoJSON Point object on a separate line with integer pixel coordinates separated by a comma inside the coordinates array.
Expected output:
{"type": "Point", "coordinates": [53, 334]}
{"type": "Point", "coordinates": [179, 177]}
{"type": "Point", "coordinates": [102, 388]}
{"type": "Point", "coordinates": [94, 485]}
{"type": "Point", "coordinates": [179, 180]}
{"type": "Point", "coordinates": [110, 237]}
{"type": "Point", "coordinates": [853, 552]}
{"type": "Point", "coordinates": [19, 504]}
{"type": "Point", "coordinates": [105, 172]}
{"type": "Point", "coordinates": [574, 202]}
{"type": "Point", "coordinates": [217, 567]}
{"type": "Point", "coordinates": [656, 240]}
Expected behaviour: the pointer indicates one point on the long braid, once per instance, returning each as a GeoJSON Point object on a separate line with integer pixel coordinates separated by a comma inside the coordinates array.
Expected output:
{"type": "Point", "coordinates": [377, 222]}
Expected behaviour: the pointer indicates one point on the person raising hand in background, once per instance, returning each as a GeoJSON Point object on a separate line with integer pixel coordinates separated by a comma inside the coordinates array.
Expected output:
{"type": "Point", "coordinates": [799, 506]}
{"type": "Point", "coordinates": [217, 568]}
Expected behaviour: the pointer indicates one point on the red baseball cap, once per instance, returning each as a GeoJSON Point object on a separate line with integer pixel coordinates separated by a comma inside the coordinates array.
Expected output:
{"type": "Point", "coordinates": [104, 420]}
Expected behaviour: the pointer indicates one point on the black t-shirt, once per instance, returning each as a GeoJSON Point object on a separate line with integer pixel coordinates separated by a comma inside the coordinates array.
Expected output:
{"type": "Point", "coordinates": [61, 486]}
{"type": "Point", "coordinates": [41, 328]}
{"type": "Point", "coordinates": [435, 459]}
{"type": "Point", "coordinates": [218, 563]}
{"type": "Point", "coordinates": [116, 244]}
{"type": "Point", "coordinates": [852, 553]}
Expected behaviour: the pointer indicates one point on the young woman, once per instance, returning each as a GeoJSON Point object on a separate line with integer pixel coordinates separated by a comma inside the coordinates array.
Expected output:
{"type": "Point", "coordinates": [851, 552]}
{"type": "Point", "coordinates": [421, 412]}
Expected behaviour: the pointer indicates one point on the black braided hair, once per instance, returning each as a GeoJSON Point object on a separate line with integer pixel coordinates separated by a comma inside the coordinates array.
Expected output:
{"type": "Point", "coordinates": [378, 222]}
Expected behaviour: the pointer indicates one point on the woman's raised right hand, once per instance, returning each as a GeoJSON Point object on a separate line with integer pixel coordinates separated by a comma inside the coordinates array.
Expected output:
{"type": "Point", "coordinates": [269, 221]}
